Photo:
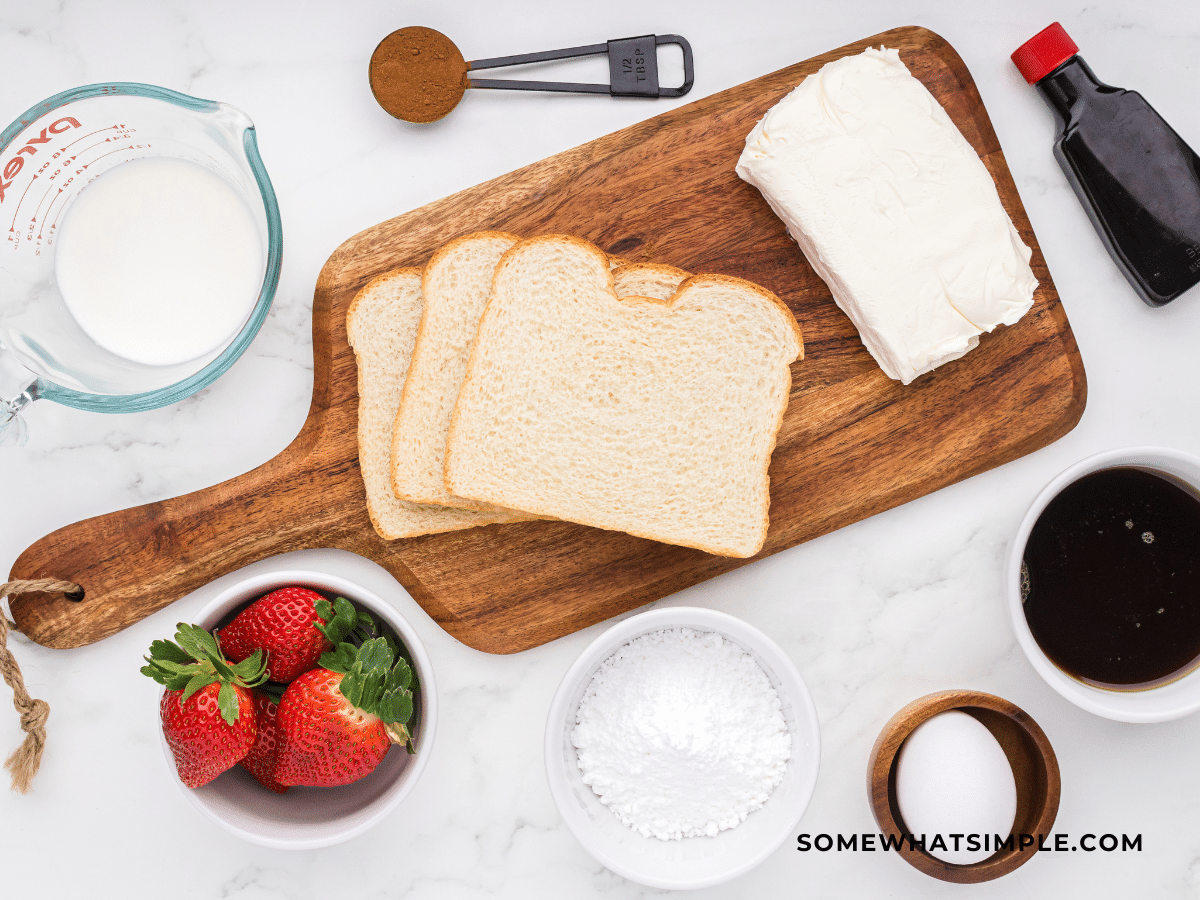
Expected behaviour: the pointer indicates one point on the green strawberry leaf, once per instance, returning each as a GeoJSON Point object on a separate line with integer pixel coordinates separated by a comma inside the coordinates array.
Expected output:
{"type": "Point", "coordinates": [375, 656]}
{"type": "Point", "coordinates": [194, 660]}
{"type": "Point", "coordinates": [187, 642]}
{"type": "Point", "coordinates": [353, 687]}
{"type": "Point", "coordinates": [200, 680]}
{"type": "Point", "coordinates": [346, 616]}
{"type": "Point", "coordinates": [366, 627]}
{"type": "Point", "coordinates": [177, 682]}
{"type": "Point", "coordinates": [341, 618]}
{"type": "Point", "coordinates": [373, 684]}
{"type": "Point", "coordinates": [224, 669]}
{"type": "Point", "coordinates": [166, 667]}
{"type": "Point", "coordinates": [173, 681]}
{"type": "Point", "coordinates": [370, 670]}
{"type": "Point", "coordinates": [198, 642]}
{"type": "Point", "coordinates": [395, 706]}
{"type": "Point", "coordinates": [169, 651]}
{"type": "Point", "coordinates": [339, 659]}
{"type": "Point", "coordinates": [400, 677]}
{"type": "Point", "coordinates": [227, 703]}
{"type": "Point", "coordinates": [251, 669]}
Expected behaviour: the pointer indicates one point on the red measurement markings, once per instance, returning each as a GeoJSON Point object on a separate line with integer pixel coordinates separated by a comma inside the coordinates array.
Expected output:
{"type": "Point", "coordinates": [13, 226]}
{"type": "Point", "coordinates": [57, 216]}
{"type": "Point", "coordinates": [79, 153]}
{"type": "Point", "coordinates": [60, 190]}
{"type": "Point", "coordinates": [16, 212]}
{"type": "Point", "coordinates": [109, 153]}
{"type": "Point", "coordinates": [49, 190]}
{"type": "Point", "coordinates": [48, 208]}
{"type": "Point", "coordinates": [54, 225]}
{"type": "Point", "coordinates": [89, 134]}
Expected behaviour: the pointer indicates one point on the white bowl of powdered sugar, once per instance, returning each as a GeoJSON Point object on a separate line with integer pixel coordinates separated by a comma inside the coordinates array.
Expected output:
{"type": "Point", "coordinates": [682, 747]}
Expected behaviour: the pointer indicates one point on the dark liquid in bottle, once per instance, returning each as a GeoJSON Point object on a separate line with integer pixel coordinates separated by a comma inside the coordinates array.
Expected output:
{"type": "Point", "coordinates": [1114, 579]}
{"type": "Point", "coordinates": [1138, 180]}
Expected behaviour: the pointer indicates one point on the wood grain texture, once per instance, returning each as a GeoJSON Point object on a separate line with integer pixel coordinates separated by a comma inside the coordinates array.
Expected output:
{"type": "Point", "coordinates": [853, 442]}
{"type": "Point", "coordinates": [1035, 771]}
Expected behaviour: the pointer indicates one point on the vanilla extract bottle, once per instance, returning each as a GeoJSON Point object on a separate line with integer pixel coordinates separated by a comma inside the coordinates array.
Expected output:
{"type": "Point", "coordinates": [1137, 179]}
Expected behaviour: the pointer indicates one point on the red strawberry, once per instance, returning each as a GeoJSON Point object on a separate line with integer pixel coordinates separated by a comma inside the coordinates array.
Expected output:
{"type": "Point", "coordinates": [338, 721]}
{"type": "Point", "coordinates": [264, 754]}
{"type": "Point", "coordinates": [207, 712]}
{"type": "Point", "coordinates": [203, 744]}
{"type": "Point", "coordinates": [293, 626]}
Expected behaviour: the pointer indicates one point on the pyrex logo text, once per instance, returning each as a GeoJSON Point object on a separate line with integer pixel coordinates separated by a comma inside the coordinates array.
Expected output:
{"type": "Point", "coordinates": [13, 166]}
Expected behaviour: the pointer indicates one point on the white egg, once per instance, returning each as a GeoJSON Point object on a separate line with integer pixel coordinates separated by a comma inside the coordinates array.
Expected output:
{"type": "Point", "coordinates": [952, 777]}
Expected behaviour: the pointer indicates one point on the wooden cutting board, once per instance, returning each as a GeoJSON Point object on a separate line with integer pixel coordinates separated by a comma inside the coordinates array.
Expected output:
{"type": "Point", "coordinates": [853, 442]}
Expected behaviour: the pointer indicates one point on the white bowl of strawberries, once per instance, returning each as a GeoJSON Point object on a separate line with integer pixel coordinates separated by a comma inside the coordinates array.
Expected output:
{"type": "Point", "coordinates": [298, 711]}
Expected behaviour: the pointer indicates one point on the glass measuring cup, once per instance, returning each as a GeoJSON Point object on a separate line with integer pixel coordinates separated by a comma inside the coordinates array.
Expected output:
{"type": "Point", "coordinates": [47, 156]}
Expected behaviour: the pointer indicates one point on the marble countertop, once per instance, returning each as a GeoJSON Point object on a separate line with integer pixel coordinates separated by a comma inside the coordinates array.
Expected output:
{"type": "Point", "coordinates": [874, 615]}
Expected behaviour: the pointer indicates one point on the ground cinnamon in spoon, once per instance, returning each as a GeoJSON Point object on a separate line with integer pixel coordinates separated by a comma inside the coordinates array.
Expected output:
{"type": "Point", "coordinates": [417, 74]}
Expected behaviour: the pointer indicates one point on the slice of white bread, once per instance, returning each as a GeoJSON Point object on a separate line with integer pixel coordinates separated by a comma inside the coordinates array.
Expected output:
{"type": "Point", "coordinates": [382, 328]}
{"type": "Point", "coordinates": [653, 417]}
{"type": "Point", "coordinates": [455, 286]}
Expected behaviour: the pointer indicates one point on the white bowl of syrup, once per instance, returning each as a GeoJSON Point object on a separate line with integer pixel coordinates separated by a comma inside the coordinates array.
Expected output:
{"type": "Point", "coordinates": [1103, 584]}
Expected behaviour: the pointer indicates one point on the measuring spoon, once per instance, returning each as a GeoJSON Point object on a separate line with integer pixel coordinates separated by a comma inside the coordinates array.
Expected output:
{"type": "Point", "coordinates": [418, 75]}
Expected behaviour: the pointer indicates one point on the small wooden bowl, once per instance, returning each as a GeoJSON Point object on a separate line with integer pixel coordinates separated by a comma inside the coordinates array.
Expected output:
{"type": "Point", "coordinates": [1033, 762]}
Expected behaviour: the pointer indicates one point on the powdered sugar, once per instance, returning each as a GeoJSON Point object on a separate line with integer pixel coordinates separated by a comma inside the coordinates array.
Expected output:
{"type": "Point", "coordinates": [681, 734]}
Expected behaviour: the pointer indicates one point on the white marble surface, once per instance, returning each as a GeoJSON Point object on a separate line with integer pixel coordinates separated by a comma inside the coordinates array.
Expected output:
{"type": "Point", "coordinates": [874, 615]}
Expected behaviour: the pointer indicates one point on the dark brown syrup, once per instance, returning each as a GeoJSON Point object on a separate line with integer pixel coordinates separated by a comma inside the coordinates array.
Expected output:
{"type": "Point", "coordinates": [1114, 579]}
{"type": "Point", "coordinates": [1137, 178]}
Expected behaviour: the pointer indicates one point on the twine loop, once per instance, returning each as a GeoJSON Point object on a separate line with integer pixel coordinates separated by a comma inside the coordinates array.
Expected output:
{"type": "Point", "coordinates": [25, 760]}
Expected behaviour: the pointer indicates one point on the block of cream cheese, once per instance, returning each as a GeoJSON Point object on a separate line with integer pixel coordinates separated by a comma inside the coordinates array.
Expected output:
{"type": "Point", "coordinates": [893, 209]}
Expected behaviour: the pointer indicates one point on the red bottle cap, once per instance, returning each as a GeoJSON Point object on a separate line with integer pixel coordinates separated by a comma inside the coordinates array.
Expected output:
{"type": "Point", "coordinates": [1044, 52]}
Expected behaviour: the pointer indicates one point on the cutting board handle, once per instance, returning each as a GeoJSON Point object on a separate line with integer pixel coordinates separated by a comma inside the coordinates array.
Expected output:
{"type": "Point", "coordinates": [134, 562]}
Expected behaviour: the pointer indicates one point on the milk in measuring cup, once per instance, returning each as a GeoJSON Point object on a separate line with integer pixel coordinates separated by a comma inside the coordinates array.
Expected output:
{"type": "Point", "coordinates": [159, 260]}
